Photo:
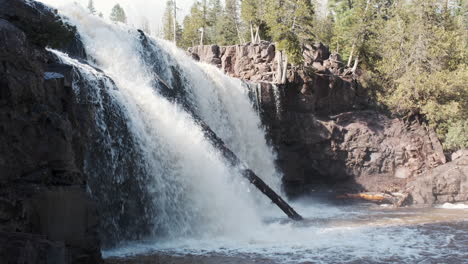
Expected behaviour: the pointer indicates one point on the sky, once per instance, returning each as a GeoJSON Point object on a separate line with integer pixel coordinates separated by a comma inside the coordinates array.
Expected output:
{"type": "Point", "coordinates": [152, 10]}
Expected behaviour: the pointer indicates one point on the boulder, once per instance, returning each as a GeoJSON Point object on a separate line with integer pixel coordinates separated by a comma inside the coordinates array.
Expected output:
{"type": "Point", "coordinates": [444, 184]}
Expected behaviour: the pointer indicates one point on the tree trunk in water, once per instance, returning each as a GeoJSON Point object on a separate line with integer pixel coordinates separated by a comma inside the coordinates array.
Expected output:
{"type": "Point", "coordinates": [174, 95]}
{"type": "Point", "coordinates": [351, 55]}
{"type": "Point", "coordinates": [247, 173]}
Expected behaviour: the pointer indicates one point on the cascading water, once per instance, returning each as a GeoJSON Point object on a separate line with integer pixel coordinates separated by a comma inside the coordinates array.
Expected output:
{"type": "Point", "coordinates": [158, 178]}
{"type": "Point", "coordinates": [188, 188]}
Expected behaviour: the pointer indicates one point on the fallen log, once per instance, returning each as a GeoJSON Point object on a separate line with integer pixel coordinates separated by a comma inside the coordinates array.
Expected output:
{"type": "Point", "coordinates": [177, 97]}
{"type": "Point", "coordinates": [247, 173]}
{"type": "Point", "coordinates": [395, 199]}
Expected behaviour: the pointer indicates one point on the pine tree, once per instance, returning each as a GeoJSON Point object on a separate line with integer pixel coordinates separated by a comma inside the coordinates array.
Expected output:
{"type": "Point", "coordinates": [230, 27]}
{"type": "Point", "coordinates": [290, 24]}
{"type": "Point", "coordinates": [91, 8]}
{"type": "Point", "coordinates": [196, 26]}
{"type": "Point", "coordinates": [249, 15]}
{"type": "Point", "coordinates": [168, 21]}
{"type": "Point", "coordinates": [421, 66]}
{"type": "Point", "coordinates": [118, 14]}
{"type": "Point", "coordinates": [169, 29]}
{"type": "Point", "coordinates": [214, 20]}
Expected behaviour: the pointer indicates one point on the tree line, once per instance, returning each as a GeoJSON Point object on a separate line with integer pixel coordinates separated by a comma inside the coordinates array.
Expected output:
{"type": "Point", "coordinates": [412, 55]}
{"type": "Point", "coordinates": [117, 13]}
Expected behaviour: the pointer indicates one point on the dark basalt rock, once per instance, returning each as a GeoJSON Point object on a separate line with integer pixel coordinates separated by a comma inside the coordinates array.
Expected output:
{"type": "Point", "coordinates": [46, 214]}
{"type": "Point", "coordinates": [445, 184]}
{"type": "Point", "coordinates": [43, 26]}
{"type": "Point", "coordinates": [30, 249]}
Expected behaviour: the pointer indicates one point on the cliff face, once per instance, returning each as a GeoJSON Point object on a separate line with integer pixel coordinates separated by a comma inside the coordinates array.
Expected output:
{"type": "Point", "coordinates": [46, 214]}
{"type": "Point", "coordinates": [324, 129]}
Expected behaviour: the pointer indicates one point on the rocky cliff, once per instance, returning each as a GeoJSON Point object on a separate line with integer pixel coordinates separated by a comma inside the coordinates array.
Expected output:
{"type": "Point", "coordinates": [46, 214]}
{"type": "Point", "coordinates": [320, 122]}
{"type": "Point", "coordinates": [326, 130]}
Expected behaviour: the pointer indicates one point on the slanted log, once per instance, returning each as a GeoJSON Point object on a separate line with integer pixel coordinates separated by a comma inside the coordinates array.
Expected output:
{"type": "Point", "coordinates": [246, 172]}
{"type": "Point", "coordinates": [175, 96]}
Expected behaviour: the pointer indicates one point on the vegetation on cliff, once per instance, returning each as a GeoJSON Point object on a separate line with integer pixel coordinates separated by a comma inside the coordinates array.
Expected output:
{"type": "Point", "coordinates": [412, 55]}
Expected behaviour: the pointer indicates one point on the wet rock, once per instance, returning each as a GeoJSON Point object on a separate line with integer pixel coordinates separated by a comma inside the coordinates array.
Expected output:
{"type": "Point", "coordinates": [30, 249]}
{"type": "Point", "coordinates": [46, 214]}
{"type": "Point", "coordinates": [43, 26]}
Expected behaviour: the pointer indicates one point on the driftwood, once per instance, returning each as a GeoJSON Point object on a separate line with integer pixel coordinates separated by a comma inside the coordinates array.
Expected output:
{"type": "Point", "coordinates": [395, 199]}
{"type": "Point", "coordinates": [217, 142]}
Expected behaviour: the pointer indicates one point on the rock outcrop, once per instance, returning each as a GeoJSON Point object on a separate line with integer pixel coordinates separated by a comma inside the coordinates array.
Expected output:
{"type": "Point", "coordinates": [46, 214]}
{"type": "Point", "coordinates": [445, 184]}
{"type": "Point", "coordinates": [323, 125]}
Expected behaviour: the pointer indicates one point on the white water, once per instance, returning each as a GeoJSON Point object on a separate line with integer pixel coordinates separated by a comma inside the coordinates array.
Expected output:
{"type": "Point", "coordinates": [202, 205]}
{"type": "Point", "coordinates": [194, 192]}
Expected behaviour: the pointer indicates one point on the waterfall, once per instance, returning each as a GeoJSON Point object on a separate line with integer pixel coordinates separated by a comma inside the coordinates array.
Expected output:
{"type": "Point", "coordinates": [278, 96]}
{"type": "Point", "coordinates": [161, 186]}
{"type": "Point", "coordinates": [152, 170]}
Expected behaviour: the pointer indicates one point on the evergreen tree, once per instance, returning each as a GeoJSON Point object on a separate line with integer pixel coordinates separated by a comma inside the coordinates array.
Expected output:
{"type": "Point", "coordinates": [290, 24]}
{"type": "Point", "coordinates": [214, 20]}
{"type": "Point", "coordinates": [91, 8]}
{"type": "Point", "coordinates": [193, 24]}
{"type": "Point", "coordinates": [230, 27]}
{"type": "Point", "coordinates": [252, 14]}
{"type": "Point", "coordinates": [168, 23]}
{"type": "Point", "coordinates": [118, 14]}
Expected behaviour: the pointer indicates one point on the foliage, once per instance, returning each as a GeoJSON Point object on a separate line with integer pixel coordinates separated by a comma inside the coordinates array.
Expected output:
{"type": "Point", "coordinates": [457, 135]}
{"type": "Point", "coordinates": [229, 31]}
{"type": "Point", "coordinates": [214, 20]}
{"type": "Point", "coordinates": [412, 54]}
{"type": "Point", "coordinates": [423, 65]}
{"type": "Point", "coordinates": [220, 25]}
{"type": "Point", "coordinates": [118, 14]}
{"type": "Point", "coordinates": [193, 24]}
{"type": "Point", "coordinates": [290, 24]}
